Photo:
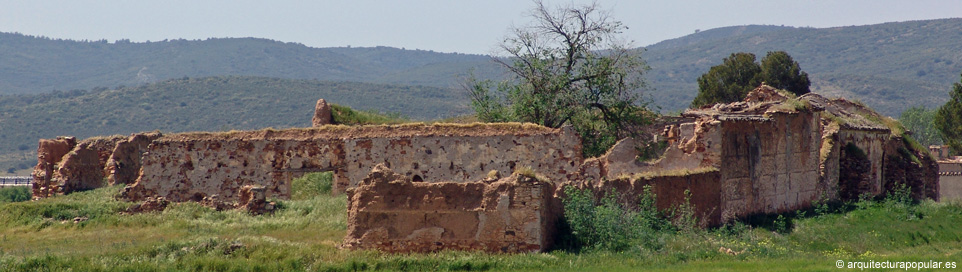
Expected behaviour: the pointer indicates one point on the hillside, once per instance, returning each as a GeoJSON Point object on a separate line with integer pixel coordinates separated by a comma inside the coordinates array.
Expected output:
{"type": "Point", "coordinates": [200, 104]}
{"type": "Point", "coordinates": [889, 66]}
{"type": "Point", "coordinates": [36, 64]}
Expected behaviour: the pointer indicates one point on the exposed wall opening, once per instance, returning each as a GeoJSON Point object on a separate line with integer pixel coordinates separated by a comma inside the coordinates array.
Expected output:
{"type": "Point", "coordinates": [312, 184]}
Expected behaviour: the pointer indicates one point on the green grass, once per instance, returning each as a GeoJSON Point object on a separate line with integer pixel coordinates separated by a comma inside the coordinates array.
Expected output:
{"type": "Point", "coordinates": [304, 233]}
{"type": "Point", "coordinates": [311, 185]}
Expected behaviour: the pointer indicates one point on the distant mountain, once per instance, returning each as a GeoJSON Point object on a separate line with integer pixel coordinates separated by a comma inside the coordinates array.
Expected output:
{"type": "Point", "coordinates": [200, 104]}
{"type": "Point", "coordinates": [36, 64]}
{"type": "Point", "coordinates": [889, 67]}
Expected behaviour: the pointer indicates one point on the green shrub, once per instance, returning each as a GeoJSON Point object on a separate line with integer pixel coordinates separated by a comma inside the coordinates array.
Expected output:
{"type": "Point", "coordinates": [311, 185]}
{"type": "Point", "coordinates": [347, 116]}
{"type": "Point", "coordinates": [609, 225]}
{"type": "Point", "coordinates": [683, 216]}
{"type": "Point", "coordinates": [14, 194]}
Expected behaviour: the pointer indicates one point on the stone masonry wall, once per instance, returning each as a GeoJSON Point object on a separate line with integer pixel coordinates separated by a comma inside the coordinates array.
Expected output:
{"type": "Point", "coordinates": [191, 169]}
{"type": "Point", "coordinates": [389, 212]}
{"type": "Point", "coordinates": [184, 167]}
{"type": "Point", "coordinates": [123, 166]}
{"type": "Point", "coordinates": [770, 163]}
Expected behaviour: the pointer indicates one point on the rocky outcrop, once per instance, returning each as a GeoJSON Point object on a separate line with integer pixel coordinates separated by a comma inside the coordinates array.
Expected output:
{"type": "Point", "coordinates": [389, 212]}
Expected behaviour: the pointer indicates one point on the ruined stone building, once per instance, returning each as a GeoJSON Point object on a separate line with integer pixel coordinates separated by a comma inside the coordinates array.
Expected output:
{"type": "Point", "coordinates": [497, 187]}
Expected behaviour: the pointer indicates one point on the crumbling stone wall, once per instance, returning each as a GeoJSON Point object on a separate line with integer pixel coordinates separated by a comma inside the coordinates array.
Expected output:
{"type": "Point", "coordinates": [49, 155]}
{"type": "Point", "coordinates": [185, 167]}
{"type": "Point", "coordinates": [123, 165]}
{"type": "Point", "coordinates": [690, 146]}
{"type": "Point", "coordinates": [770, 163]}
{"type": "Point", "coordinates": [191, 167]}
{"type": "Point", "coordinates": [390, 212]}
{"type": "Point", "coordinates": [80, 169]}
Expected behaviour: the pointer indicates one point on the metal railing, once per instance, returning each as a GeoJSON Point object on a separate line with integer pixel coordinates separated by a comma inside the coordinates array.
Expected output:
{"type": "Point", "coordinates": [16, 181]}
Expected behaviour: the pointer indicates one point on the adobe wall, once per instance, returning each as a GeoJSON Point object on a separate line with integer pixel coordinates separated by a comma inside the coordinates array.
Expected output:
{"type": "Point", "coordinates": [828, 166]}
{"type": "Point", "coordinates": [771, 163]}
{"type": "Point", "coordinates": [49, 154]}
{"type": "Point", "coordinates": [123, 165]}
{"type": "Point", "coordinates": [669, 188]}
{"type": "Point", "coordinates": [691, 145]}
{"type": "Point", "coordinates": [915, 169]}
{"type": "Point", "coordinates": [869, 178]}
{"type": "Point", "coordinates": [389, 212]}
{"type": "Point", "coordinates": [191, 166]}
{"type": "Point", "coordinates": [81, 168]}
{"type": "Point", "coordinates": [950, 181]}
{"type": "Point", "coordinates": [185, 169]}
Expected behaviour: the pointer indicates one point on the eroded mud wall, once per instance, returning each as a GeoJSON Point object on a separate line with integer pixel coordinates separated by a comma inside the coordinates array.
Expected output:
{"type": "Point", "coordinates": [858, 175]}
{"type": "Point", "coordinates": [190, 166]}
{"type": "Point", "coordinates": [670, 191]}
{"type": "Point", "coordinates": [691, 145]}
{"type": "Point", "coordinates": [184, 169]}
{"type": "Point", "coordinates": [915, 169]}
{"type": "Point", "coordinates": [80, 169]}
{"type": "Point", "coordinates": [123, 166]}
{"type": "Point", "coordinates": [389, 212]}
{"type": "Point", "coordinates": [50, 153]}
{"type": "Point", "coordinates": [460, 158]}
{"type": "Point", "coordinates": [770, 164]}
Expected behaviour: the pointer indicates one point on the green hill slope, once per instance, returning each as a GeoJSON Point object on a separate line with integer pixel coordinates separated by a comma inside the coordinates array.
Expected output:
{"type": "Point", "coordinates": [32, 64]}
{"type": "Point", "coordinates": [200, 104]}
{"type": "Point", "coordinates": [889, 66]}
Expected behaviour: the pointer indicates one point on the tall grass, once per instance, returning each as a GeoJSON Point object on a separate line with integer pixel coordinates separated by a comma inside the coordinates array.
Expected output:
{"type": "Point", "coordinates": [311, 185]}
{"type": "Point", "coordinates": [303, 234]}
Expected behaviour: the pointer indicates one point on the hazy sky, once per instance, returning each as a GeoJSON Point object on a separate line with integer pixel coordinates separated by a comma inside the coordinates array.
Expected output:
{"type": "Point", "coordinates": [467, 26]}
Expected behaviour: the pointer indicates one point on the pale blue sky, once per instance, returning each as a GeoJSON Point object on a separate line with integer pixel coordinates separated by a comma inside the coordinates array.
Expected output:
{"type": "Point", "coordinates": [467, 26]}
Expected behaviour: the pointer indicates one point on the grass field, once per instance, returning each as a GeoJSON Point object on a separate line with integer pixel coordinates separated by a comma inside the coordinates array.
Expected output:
{"type": "Point", "coordinates": [85, 232]}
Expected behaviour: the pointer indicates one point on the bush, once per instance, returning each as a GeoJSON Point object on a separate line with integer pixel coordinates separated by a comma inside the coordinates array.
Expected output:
{"type": "Point", "coordinates": [14, 194]}
{"type": "Point", "coordinates": [609, 225]}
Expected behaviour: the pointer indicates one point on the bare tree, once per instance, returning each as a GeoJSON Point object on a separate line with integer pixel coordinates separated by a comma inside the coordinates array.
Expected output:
{"type": "Point", "coordinates": [569, 67]}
